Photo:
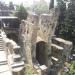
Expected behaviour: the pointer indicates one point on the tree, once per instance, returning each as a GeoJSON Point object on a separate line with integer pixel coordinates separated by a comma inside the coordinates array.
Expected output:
{"type": "Point", "coordinates": [11, 6]}
{"type": "Point", "coordinates": [70, 21]}
{"type": "Point", "coordinates": [66, 22]}
{"type": "Point", "coordinates": [21, 12]}
{"type": "Point", "coordinates": [51, 5]}
{"type": "Point", "coordinates": [61, 21]}
{"type": "Point", "coordinates": [40, 7]}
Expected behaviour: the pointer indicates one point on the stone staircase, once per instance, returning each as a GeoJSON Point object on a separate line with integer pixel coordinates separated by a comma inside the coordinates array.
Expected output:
{"type": "Point", "coordinates": [4, 68]}
{"type": "Point", "coordinates": [60, 53]}
{"type": "Point", "coordinates": [66, 45]}
{"type": "Point", "coordinates": [10, 59]}
{"type": "Point", "coordinates": [15, 60]}
{"type": "Point", "coordinates": [56, 54]}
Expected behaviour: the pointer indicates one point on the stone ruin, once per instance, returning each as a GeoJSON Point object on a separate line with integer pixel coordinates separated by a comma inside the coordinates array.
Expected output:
{"type": "Point", "coordinates": [40, 48]}
{"type": "Point", "coordinates": [37, 31]}
{"type": "Point", "coordinates": [37, 47]}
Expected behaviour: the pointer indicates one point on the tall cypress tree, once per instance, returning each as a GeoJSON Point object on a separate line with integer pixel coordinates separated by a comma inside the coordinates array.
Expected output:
{"type": "Point", "coordinates": [60, 27]}
{"type": "Point", "coordinates": [22, 13]}
{"type": "Point", "coordinates": [66, 23]}
{"type": "Point", "coordinates": [70, 21]}
{"type": "Point", "coordinates": [51, 5]}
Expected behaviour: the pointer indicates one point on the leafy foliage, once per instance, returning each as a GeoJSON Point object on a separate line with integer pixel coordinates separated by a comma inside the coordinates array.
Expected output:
{"type": "Point", "coordinates": [61, 22]}
{"type": "Point", "coordinates": [51, 4]}
{"type": "Point", "coordinates": [30, 71]}
{"type": "Point", "coordinates": [66, 25]}
{"type": "Point", "coordinates": [70, 21]}
{"type": "Point", "coordinates": [11, 6]}
{"type": "Point", "coordinates": [72, 69]}
{"type": "Point", "coordinates": [40, 7]}
{"type": "Point", "coordinates": [21, 12]}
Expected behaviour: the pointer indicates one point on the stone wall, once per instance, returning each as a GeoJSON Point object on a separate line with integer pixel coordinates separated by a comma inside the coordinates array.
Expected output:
{"type": "Point", "coordinates": [36, 29]}
{"type": "Point", "coordinates": [36, 34]}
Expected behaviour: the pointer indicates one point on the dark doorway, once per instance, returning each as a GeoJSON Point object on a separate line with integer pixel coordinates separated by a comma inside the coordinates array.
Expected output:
{"type": "Point", "coordinates": [41, 53]}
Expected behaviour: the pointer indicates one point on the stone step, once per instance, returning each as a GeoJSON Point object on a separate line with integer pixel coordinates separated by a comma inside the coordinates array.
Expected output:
{"type": "Point", "coordinates": [60, 41]}
{"type": "Point", "coordinates": [1, 37]}
{"type": "Point", "coordinates": [1, 40]}
{"type": "Point", "coordinates": [6, 72]}
{"type": "Point", "coordinates": [1, 44]}
{"type": "Point", "coordinates": [17, 64]}
{"type": "Point", "coordinates": [54, 46]}
{"type": "Point", "coordinates": [54, 58]}
{"type": "Point", "coordinates": [17, 57]}
{"type": "Point", "coordinates": [3, 63]}
{"type": "Point", "coordinates": [2, 56]}
{"type": "Point", "coordinates": [73, 55]}
{"type": "Point", "coordinates": [4, 68]}
{"type": "Point", "coordinates": [1, 47]}
{"type": "Point", "coordinates": [1, 50]}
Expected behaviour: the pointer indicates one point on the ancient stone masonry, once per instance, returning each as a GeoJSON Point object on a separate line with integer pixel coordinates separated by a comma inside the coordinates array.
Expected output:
{"type": "Point", "coordinates": [36, 34]}
{"type": "Point", "coordinates": [38, 47]}
{"type": "Point", "coordinates": [29, 33]}
{"type": "Point", "coordinates": [67, 45]}
{"type": "Point", "coordinates": [60, 53]}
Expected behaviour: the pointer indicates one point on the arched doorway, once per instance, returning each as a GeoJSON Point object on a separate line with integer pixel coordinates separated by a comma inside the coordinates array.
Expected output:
{"type": "Point", "coordinates": [41, 53]}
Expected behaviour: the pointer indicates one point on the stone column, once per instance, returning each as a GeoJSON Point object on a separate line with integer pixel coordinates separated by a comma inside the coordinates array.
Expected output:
{"type": "Point", "coordinates": [34, 20]}
{"type": "Point", "coordinates": [28, 54]}
{"type": "Point", "coordinates": [45, 26]}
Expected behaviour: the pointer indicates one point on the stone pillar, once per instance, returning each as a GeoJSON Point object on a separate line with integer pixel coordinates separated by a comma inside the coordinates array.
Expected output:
{"type": "Point", "coordinates": [46, 27]}
{"type": "Point", "coordinates": [35, 21]}
{"type": "Point", "coordinates": [48, 24]}
{"type": "Point", "coordinates": [28, 55]}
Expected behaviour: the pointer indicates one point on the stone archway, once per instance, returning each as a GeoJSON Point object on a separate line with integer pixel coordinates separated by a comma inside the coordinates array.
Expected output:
{"type": "Point", "coordinates": [41, 53]}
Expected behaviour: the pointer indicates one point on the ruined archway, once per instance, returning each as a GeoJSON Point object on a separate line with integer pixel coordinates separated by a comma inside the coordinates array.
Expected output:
{"type": "Point", "coordinates": [41, 53]}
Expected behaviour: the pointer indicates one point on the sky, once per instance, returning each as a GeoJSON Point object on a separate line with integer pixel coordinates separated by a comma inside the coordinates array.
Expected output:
{"type": "Point", "coordinates": [25, 2]}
